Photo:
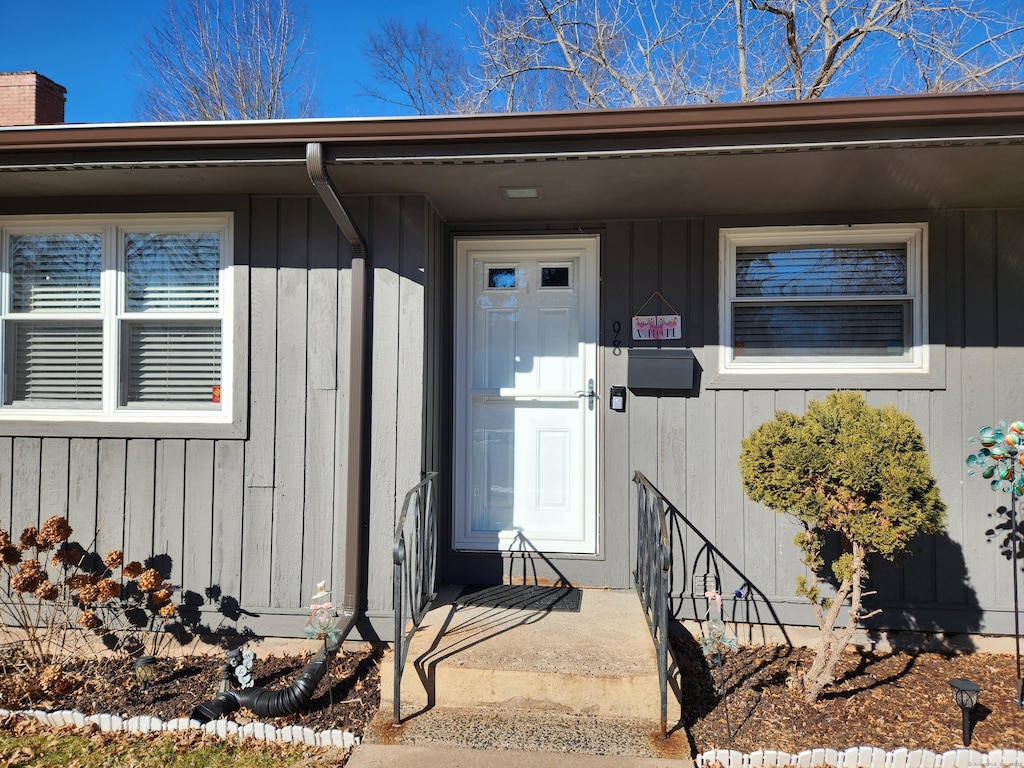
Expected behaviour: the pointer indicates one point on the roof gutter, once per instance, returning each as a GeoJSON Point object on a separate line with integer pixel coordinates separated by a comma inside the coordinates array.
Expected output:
{"type": "Point", "coordinates": [356, 485]}
{"type": "Point", "coordinates": [669, 150]}
{"type": "Point", "coordinates": [317, 159]}
{"type": "Point", "coordinates": [938, 111]}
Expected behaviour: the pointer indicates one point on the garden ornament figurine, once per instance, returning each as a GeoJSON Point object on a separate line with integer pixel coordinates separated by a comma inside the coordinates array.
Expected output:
{"type": "Point", "coordinates": [715, 643]}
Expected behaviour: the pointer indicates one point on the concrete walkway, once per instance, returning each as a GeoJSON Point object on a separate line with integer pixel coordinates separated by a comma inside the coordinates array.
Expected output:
{"type": "Point", "coordinates": [435, 756]}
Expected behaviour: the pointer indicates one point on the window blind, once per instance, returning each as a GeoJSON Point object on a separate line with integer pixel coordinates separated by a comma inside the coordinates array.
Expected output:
{"type": "Point", "coordinates": [821, 329]}
{"type": "Point", "coordinates": [55, 362]}
{"type": "Point", "coordinates": [173, 363]}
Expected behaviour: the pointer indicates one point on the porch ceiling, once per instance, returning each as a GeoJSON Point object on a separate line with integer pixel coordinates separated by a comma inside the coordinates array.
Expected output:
{"type": "Point", "coordinates": [467, 188]}
{"type": "Point", "coordinates": [738, 182]}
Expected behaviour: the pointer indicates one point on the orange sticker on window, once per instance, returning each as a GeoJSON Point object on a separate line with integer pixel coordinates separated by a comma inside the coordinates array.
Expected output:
{"type": "Point", "coordinates": [216, 393]}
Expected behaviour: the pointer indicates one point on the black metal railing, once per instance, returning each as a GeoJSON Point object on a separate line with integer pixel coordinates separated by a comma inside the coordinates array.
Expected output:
{"type": "Point", "coordinates": [651, 577]}
{"type": "Point", "coordinates": [415, 556]}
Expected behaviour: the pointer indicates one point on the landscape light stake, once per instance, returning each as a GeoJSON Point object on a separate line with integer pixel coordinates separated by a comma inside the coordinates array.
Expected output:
{"type": "Point", "coordinates": [1001, 460]}
{"type": "Point", "coordinates": [965, 694]}
{"type": "Point", "coordinates": [718, 659]}
{"type": "Point", "coordinates": [330, 687]}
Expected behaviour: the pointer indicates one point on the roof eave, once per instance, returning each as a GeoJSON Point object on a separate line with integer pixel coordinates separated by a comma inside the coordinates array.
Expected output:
{"type": "Point", "coordinates": [851, 116]}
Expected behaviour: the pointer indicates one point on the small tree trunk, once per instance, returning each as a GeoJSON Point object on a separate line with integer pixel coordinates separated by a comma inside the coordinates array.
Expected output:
{"type": "Point", "coordinates": [834, 640]}
{"type": "Point", "coordinates": [827, 657]}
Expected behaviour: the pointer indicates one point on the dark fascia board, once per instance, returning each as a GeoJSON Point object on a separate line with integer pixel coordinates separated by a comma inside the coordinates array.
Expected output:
{"type": "Point", "coordinates": [851, 117]}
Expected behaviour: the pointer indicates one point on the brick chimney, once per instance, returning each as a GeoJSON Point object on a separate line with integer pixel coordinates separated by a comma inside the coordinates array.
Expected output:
{"type": "Point", "coordinates": [28, 98]}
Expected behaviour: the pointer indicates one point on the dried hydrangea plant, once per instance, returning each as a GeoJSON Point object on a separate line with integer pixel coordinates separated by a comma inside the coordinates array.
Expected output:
{"type": "Point", "coordinates": [56, 606]}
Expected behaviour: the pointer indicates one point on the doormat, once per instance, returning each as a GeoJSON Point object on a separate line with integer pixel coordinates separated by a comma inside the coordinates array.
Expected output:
{"type": "Point", "coordinates": [524, 597]}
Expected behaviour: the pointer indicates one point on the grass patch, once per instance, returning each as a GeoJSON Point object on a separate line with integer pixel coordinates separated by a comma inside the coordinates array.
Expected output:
{"type": "Point", "coordinates": [159, 751]}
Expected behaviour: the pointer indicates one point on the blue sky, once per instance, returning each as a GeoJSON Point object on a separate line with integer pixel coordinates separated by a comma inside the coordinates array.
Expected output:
{"type": "Point", "coordinates": [85, 45]}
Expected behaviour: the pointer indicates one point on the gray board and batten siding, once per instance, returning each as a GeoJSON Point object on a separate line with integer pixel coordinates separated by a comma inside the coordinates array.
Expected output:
{"type": "Point", "coordinates": [689, 445]}
{"type": "Point", "coordinates": [256, 517]}
{"type": "Point", "coordinates": [248, 523]}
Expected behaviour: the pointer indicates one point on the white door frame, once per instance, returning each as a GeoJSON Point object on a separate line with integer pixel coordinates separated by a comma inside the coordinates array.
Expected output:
{"type": "Point", "coordinates": [584, 251]}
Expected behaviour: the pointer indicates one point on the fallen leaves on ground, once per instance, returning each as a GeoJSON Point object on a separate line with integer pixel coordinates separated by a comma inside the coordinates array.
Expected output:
{"type": "Point", "coordinates": [880, 699]}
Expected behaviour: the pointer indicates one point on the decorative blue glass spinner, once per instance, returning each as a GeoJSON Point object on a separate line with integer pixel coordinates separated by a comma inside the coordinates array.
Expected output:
{"type": "Point", "coordinates": [1001, 458]}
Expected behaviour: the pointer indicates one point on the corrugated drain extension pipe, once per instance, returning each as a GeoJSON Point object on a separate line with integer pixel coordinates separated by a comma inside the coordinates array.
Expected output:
{"type": "Point", "coordinates": [267, 703]}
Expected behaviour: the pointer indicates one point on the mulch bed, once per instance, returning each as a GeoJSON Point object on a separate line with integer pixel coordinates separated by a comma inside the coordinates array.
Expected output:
{"type": "Point", "coordinates": [882, 699]}
{"type": "Point", "coordinates": [346, 698]}
{"type": "Point", "coordinates": [887, 700]}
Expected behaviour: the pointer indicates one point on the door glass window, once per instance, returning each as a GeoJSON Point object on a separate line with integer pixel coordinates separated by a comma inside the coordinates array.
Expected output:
{"type": "Point", "coordinates": [501, 278]}
{"type": "Point", "coordinates": [554, 277]}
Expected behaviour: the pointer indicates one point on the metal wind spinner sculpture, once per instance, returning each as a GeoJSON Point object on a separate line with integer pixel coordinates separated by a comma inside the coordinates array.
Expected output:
{"type": "Point", "coordinates": [1001, 460]}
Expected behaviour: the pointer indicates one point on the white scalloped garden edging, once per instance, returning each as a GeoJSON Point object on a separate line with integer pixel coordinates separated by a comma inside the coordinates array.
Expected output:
{"type": "Point", "coordinates": [862, 757]}
{"type": "Point", "coordinates": [293, 734]}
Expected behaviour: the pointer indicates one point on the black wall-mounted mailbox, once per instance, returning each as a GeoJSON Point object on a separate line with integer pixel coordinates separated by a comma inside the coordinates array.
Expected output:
{"type": "Point", "coordinates": [660, 369]}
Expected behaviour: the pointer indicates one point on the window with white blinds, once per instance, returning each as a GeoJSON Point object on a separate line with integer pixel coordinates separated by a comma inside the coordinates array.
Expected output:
{"type": "Point", "coordinates": [823, 298]}
{"type": "Point", "coordinates": [116, 315]}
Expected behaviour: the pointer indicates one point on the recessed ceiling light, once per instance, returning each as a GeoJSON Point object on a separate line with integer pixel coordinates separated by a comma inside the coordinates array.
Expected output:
{"type": "Point", "coordinates": [520, 193]}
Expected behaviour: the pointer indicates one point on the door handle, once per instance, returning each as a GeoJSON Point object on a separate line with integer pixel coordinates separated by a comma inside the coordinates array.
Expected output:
{"type": "Point", "coordinates": [590, 394]}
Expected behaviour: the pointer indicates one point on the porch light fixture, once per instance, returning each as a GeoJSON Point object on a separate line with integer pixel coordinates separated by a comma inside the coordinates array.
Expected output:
{"type": "Point", "coordinates": [520, 193]}
{"type": "Point", "coordinates": [965, 694]}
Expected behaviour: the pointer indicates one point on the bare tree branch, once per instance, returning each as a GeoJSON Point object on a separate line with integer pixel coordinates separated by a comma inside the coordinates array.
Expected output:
{"type": "Point", "coordinates": [585, 54]}
{"type": "Point", "coordinates": [424, 71]}
{"type": "Point", "coordinates": [226, 60]}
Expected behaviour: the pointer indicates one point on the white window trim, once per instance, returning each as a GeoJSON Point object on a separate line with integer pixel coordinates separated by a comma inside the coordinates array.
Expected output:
{"type": "Point", "coordinates": [112, 227]}
{"type": "Point", "coordinates": [919, 357]}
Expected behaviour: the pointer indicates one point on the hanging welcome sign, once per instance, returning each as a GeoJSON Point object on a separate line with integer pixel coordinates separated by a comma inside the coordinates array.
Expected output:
{"type": "Point", "coordinates": [654, 327]}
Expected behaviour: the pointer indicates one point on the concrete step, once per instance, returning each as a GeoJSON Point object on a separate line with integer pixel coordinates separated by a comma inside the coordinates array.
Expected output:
{"type": "Point", "coordinates": [599, 661]}
{"type": "Point", "coordinates": [530, 682]}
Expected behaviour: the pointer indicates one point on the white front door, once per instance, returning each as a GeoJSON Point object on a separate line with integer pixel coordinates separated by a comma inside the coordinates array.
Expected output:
{"type": "Point", "coordinates": [526, 403]}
